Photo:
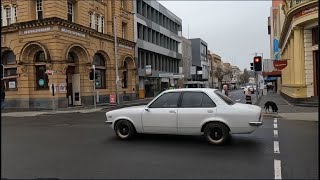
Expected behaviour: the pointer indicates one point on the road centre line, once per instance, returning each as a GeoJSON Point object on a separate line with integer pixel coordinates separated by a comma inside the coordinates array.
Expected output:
{"type": "Point", "coordinates": [276, 147]}
{"type": "Point", "coordinates": [277, 169]}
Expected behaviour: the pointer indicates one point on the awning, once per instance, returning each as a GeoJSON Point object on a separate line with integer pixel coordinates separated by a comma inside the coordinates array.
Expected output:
{"type": "Point", "coordinates": [270, 78]}
{"type": "Point", "coordinates": [272, 74]}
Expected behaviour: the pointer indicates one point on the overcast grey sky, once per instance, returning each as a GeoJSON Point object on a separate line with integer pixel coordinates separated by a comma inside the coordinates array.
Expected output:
{"type": "Point", "coordinates": [233, 29]}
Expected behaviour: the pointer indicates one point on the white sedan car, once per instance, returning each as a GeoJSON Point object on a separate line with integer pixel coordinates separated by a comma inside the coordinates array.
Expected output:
{"type": "Point", "coordinates": [190, 111]}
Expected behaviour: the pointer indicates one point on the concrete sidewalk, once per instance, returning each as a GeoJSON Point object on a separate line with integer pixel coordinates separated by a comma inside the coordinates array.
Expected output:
{"type": "Point", "coordinates": [286, 110]}
{"type": "Point", "coordinates": [80, 109]}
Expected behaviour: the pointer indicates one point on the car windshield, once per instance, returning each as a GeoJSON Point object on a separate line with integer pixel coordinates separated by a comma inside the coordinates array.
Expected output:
{"type": "Point", "coordinates": [224, 97]}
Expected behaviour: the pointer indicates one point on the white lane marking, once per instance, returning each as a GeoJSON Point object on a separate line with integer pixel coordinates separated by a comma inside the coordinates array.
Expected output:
{"type": "Point", "coordinates": [238, 99]}
{"type": "Point", "coordinates": [277, 169]}
{"type": "Point", "coordinates": [275, 120]}
{"type": "Point", "coordinates": [275, 126]}
{"type": "Point", "coordinates": [276, 147]}
{"type": "Point", "coordinates": [275, 133]}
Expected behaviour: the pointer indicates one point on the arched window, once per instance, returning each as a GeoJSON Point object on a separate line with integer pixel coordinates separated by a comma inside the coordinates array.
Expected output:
{"type": "Point", "coordinates": [125, 75]}
{"type": "Point", "coordinates": [8, 61]}
{"type": "Point", "coordinates": [99, 62]}
{"type": "Point", "coordinates": [71, 57]}
{"type": "Point", "coordinates": [41, 76]}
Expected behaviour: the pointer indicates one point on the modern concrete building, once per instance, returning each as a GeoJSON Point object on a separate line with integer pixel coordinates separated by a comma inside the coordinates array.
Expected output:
{"type": "Point", "coordinates": [200, 59]}
{"type": "Point", "coordinates": [65, 37]}
{"type": "Point", "coordinates": [158, 47]}
{"type": "Point", "coordinates": [298, 43]}
{"type": "Point", "coordinates": [186, 59]}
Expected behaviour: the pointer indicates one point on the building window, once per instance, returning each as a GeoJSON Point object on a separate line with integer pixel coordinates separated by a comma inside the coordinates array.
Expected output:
{"type": "Point", "coordinates": [70, 10]}
{"type": "Point", "coordinates": [124, 29]}
{"type": "Point", "coordinates": [125, 75]}
{"type": "Point", "coordinates": [315, 36]}
{"type": "Point", "coordinates": [102, 24]}
{"type": "Point", "coordinates": [39, 9]}
{"type": "Point", "coordinates": [10, 74]}
{"type": "Point", "coordinates": [90, 19]}
{"type": "Point", "coordinates": [97, 22]}
{"type": "Point", "coordinates": [99, 62]}
{"type": "Point", "coordinates": [15, 13]}
{"type": "Point", "coordinates": [8, 15]}
{"type": "Point", "coordinates": [71, 57]}
{"type": "Point", "coordinates": [41, 76]}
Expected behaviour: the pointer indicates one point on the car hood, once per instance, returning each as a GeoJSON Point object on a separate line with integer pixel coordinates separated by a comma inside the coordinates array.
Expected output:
{"type": "Point", "coordinates": [247, 107]}
{"type": "Point", "coordinates": [126, 109]}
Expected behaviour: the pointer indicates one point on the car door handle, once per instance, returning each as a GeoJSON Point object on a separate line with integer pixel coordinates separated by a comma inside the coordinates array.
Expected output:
{"type": "Point", "coordinates": [210, 111]}
{"type": "Point", "coordinates": [174, 112]}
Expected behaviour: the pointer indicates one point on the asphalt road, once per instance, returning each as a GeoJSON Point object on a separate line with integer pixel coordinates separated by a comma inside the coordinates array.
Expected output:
{"type": "Point", "coordinates": [74, 146]}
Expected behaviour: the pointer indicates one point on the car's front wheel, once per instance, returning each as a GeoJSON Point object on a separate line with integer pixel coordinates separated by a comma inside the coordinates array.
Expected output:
{"type": "Point", "coordinates": [124, 129]}
{"type": "Point", "coordinates": [216, 133]}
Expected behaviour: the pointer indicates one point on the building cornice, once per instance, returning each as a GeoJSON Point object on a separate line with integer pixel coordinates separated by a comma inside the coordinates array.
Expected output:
{"type": "Point", "coordinates": [289, 17]}
{"type": "Point", "coordinates": [63, 23]}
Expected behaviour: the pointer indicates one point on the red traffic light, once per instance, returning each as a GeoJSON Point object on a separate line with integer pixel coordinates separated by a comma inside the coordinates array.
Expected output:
{"type": "Point", "coordinates": [256, 60]}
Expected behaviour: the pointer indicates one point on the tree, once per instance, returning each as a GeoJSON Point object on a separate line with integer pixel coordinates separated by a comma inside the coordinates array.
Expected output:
{"type": "Point", "coordinates": [220, 73]}
{"type": "Point", "coordinates": [244, 78]}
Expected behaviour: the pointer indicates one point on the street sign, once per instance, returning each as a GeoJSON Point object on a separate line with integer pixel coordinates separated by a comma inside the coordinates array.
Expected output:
{"type": "Point", "coordinates": [280, 64]}
{"type": "Point", "coordinates": [112, 99]}
{"type": "Point", "coordinates": [193, 70]}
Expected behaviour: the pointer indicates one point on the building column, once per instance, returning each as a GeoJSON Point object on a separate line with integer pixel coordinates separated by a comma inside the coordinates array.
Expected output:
{"type": "Point", "coordinates": [109, 17]}
{"type": "Point", "coordinates": [308, 64]}
{"type": "Point", "coordinates": [298, 54]}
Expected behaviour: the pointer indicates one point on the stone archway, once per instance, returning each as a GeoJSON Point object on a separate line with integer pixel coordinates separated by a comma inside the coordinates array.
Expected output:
{"type": "Point", "coordinates": [76, 58]}
{"type": "Point", "coordinates": [128, 74]}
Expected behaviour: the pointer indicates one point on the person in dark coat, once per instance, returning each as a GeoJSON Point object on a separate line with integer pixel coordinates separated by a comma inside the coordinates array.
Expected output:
{"type": "Point", "coordinates": [3, 95]}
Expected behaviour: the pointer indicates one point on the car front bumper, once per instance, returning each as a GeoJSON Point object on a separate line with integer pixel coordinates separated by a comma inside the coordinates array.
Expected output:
{"type": "Point", "coordinates": [108, 122]}
{"type": "Point", "coordinates": [255, 123]}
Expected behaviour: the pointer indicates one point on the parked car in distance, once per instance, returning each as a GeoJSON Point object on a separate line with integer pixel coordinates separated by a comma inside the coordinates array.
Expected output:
{"type": "Point", "coordinates": [187, 111]}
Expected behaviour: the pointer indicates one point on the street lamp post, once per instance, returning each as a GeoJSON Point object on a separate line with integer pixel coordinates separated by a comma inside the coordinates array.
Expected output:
{"type": "Point", "coordinates": [116, 57]}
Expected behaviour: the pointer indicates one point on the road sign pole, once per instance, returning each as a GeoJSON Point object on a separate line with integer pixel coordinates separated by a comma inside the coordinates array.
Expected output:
{"type": "Point", "coordinates": [52, 88]}
{"type": "Point", "coordinates": [94, 86]}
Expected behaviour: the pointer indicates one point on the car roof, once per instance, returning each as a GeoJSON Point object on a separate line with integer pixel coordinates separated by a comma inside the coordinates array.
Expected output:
{"type": "Point", "coordinates": [191, 89]}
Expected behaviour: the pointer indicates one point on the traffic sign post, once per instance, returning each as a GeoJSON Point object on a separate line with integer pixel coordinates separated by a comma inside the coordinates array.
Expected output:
{"type": "Point", "coordinates": [94, 86]}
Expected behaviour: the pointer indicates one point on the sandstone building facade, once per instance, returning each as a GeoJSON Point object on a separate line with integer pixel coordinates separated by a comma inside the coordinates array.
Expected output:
{"type": "Point", "coordinates": [66, 37]}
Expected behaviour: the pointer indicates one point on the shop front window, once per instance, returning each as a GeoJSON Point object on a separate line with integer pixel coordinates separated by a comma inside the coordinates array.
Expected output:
{"type": "Point", "coordinates": [99, 62]}
{"type": "Point", "coordinates": [10, 70]}
{"type": "Point", "coordinates": [40, 67]}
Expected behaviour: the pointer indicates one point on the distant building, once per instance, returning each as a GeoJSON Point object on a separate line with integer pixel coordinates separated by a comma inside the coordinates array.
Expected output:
{"type": "Point", "coordinates": [158, 47]}
{"type": "Point", "coordinates": [186, 58]}
{"type": "Point", "coordinates": [200, 60]}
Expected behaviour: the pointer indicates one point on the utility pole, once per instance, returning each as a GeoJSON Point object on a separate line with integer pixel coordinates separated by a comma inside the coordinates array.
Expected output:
{"type": "Point", "coordinates": [116, 57]}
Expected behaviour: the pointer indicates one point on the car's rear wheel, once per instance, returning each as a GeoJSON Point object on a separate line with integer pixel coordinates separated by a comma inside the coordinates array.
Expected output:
{"type": "Point", "coordinates": [216, 133]}
{"type": "Point", "coordinates": [124, 129]}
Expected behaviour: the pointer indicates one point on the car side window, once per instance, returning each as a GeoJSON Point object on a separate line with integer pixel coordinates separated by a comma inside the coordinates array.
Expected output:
{"type": "Point", "coordinates": [167, 100]}
{"type": "Point", "coordinates": [207, 101]}
{"type": "Point", "coordinates": [196, 100]}
{"type": "Point", "coordinates": [191, 100]}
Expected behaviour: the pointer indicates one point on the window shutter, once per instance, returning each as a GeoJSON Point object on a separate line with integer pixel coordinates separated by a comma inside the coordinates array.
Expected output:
{"type": "Point", "coordinates": [12, 14]}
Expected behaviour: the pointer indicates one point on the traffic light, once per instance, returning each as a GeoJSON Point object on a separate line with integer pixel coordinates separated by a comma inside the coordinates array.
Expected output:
{"type": "Point", "coordinates": [251, 66]}
{"type": "Point", "coordinates": [91, 75]}
{"type": "Point", "coordinates": [257, 63]}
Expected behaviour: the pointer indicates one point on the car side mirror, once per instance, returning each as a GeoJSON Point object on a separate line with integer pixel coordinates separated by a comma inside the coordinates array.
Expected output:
{"type": "Point", "coordinates": [147, 109]}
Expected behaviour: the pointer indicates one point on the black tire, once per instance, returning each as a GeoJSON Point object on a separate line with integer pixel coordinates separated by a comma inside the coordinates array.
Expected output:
{"type": "Point", "coordinates": [124, 129]}
{"type": "Point", "coordinates": [216, 133]}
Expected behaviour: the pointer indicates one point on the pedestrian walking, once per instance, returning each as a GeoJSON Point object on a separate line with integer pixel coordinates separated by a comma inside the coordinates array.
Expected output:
{"type": "Point", "coordinates": [248, 96]}
{"type": "Point", "coordinates": [3, 95]}
{"type": "Point", "coordinates": [225, 90]}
